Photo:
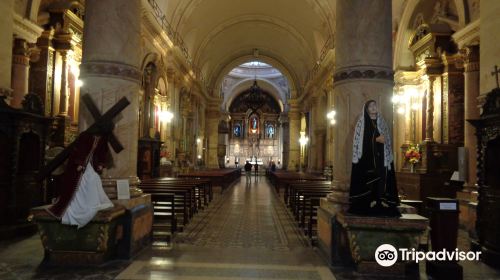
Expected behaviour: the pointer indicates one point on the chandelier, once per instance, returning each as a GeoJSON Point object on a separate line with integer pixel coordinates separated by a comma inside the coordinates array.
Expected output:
{"type": "Point", "coordinates": [255, 98]}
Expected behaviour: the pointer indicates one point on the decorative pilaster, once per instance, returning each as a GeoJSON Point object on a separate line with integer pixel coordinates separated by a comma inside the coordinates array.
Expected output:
{"type": "Point", "coordinates": [63, 97]}
{"type": "Point", "coordinates": [471, 93]}
{"type": "Point", "coordinates": [429, 119]}
{"type": "Point", "coordinates": [294, 134]}
{"type": "Point", "coordinates": [213, 118]}
{"type": "Point", "coordinates": [20, 72]}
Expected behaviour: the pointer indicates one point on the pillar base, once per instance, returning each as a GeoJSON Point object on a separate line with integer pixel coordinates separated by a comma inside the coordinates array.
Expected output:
{"type": "Point", "coordinates": [356, 239]}
{"type": "Point", "coordinates": [93, 244]}
{"type": "Point", "coordinates": [326, 222]}
{"type": "Point", "coordinates": [137, 225]}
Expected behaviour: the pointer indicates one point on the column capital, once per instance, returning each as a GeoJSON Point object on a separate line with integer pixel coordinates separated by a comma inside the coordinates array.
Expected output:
{"type": "Point", "coordinates": [470, 56]}
{"type": "Point", "coordinates": [21, 52]}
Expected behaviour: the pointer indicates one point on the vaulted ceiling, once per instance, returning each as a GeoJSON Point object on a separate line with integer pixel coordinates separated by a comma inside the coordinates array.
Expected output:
{"type": "Point", "coordinates": [221, 34]}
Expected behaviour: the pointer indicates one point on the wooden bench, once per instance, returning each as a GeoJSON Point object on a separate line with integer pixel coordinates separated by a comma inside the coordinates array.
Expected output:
{"type": "Point", "coordinates": [303, 199]}
{"type": "Point", "coordinates": [183, 199]}
{"type": "Point", "coordinates": [202, 188]}
{"type": "Point", "coordinates": [165, 220]}
{"type": "Point", "coordinates": [280, 178]}
{"type": "Point", "coordinates": [218, 177]}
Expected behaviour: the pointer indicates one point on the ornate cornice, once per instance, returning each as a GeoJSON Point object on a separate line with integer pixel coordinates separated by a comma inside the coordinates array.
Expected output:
{"type": "Point", "coordinates": [469, 35]}
{"type": "Point", "coordinates": [110, 69]}
{"type": "Point", "coordinates": [26, 29]}
{"type": "Point", "coordinates": [363, 72]}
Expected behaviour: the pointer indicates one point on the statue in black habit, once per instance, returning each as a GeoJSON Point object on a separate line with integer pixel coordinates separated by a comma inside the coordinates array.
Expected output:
{"type": "Point", "coordinates": [373, 182]}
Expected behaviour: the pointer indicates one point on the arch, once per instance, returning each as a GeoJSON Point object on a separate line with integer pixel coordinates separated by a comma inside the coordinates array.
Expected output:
{"type": "Point", "coordinates": [183, 12]}
{"type": "Point", "coordinates": [235, 62]}
{"type": "Point", "coordinates": [401, 50]}
{"type": "Point", "coordinates": [253, 18]}
{"type": "Point", "coordinates": [149, 58]}
{"type": "Point", "coordinates": [243, 85]}
{"type": "Point", "coordinates": [403, 58]}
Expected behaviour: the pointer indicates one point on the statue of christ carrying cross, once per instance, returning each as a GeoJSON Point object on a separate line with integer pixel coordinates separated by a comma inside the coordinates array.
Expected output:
{"type": "Point", "coordinates": [80, 193]}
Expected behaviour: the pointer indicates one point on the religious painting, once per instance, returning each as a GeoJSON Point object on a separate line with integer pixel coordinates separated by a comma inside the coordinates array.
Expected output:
{"type": "Point", "coordinates": [254, 124]}
{"type": "Point", "coordinates": [270, 130]}
{"type": "Point", "coordinates": [237, 129]}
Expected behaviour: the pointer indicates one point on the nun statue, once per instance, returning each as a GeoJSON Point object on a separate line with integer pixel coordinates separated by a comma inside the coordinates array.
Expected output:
{"type": "Point", "coordinates": [373, 189]}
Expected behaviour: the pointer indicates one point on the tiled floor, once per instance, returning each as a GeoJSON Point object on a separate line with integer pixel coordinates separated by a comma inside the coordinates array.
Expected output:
{"type": "Point", "coordinates": [246, 233]}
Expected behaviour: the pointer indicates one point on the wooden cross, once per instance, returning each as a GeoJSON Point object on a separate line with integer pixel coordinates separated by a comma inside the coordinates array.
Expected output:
{"type": "Point", "coordinates": [99, 119]}
{"type": "Point", "coordinates": [495, 73]}
{"type": "Point", "coordinates": [113, 141]}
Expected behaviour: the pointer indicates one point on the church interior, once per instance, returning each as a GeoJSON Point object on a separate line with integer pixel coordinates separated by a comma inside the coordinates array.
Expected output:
{"type": "Point", "coordinates": [226, 135]}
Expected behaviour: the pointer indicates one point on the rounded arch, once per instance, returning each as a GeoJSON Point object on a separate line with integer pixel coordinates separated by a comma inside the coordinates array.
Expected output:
{"type": "Point", "coordinates": [235, 62]}
{"type": "Point", "coordinates": [185, 8]}
{"type": "Point", "coordinates": [253, 18]}
{"type": "Point", "coordinates": [243, 85]}
{"type": "Point", "coordinates": [403, 58]}
{"type": "Point", "coordinates": [149, 58]}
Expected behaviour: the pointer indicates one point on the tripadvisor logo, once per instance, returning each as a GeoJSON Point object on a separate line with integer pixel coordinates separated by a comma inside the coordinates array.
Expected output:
{"type": "Point", "coordinates": [387, 255]}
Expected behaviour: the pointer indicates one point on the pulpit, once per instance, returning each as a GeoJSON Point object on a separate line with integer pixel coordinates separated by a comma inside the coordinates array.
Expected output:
{"type": "Point", "coordinates": [488, 179]}
{"type": "Point", "coordinates": [23, 135]}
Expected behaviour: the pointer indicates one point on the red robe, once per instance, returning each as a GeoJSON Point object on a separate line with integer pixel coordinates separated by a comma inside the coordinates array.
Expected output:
{"type": "Point", "coordinates": [79, 156]}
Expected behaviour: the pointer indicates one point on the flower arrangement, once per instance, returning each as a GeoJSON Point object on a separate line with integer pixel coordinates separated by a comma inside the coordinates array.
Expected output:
{"type": "Point", "coordinates": [413, 155]}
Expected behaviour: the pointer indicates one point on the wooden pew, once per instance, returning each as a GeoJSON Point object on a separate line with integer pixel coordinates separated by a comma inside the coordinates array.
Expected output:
{"type": "Point", "coordinates": [182, 198]}
{"type": "Point", "coordinates": [290, 184]}
{"type": "Point", "coordinates": [205, 186]}
{"type": "Point", "coordinates": [202, 187]}
{"type": "Point", "coordinates": [165, 221]}
{"type": "Point", "coordinates": [280, 178]}
{"type": "Point", "coordinates": [304, 197]}
{"type": "Point", "coordinates": [218, 177]}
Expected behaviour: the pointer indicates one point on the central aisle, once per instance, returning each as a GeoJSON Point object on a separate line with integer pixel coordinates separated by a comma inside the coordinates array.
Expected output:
{"type": "Point", "coordinates": [246, 233]}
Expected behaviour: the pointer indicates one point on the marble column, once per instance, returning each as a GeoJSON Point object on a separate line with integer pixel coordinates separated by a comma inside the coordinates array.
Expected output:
{"type": "Point", "coordinates": [471, 88]}
{"type": "Point", "coordinates": [110, 71]}
{"type": "Point", "coordinates": [293, 135]}
{"type": "Point", "coordinates": [20, 72]}
{"type": "Point", "coordinates": [212, 123]}
{"type": "Point", "coordinates": [6, 32]}
{"type": "Point", "coordinates": [363, 54]}
{"type": "Point", "coordinates": [363, 71]}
